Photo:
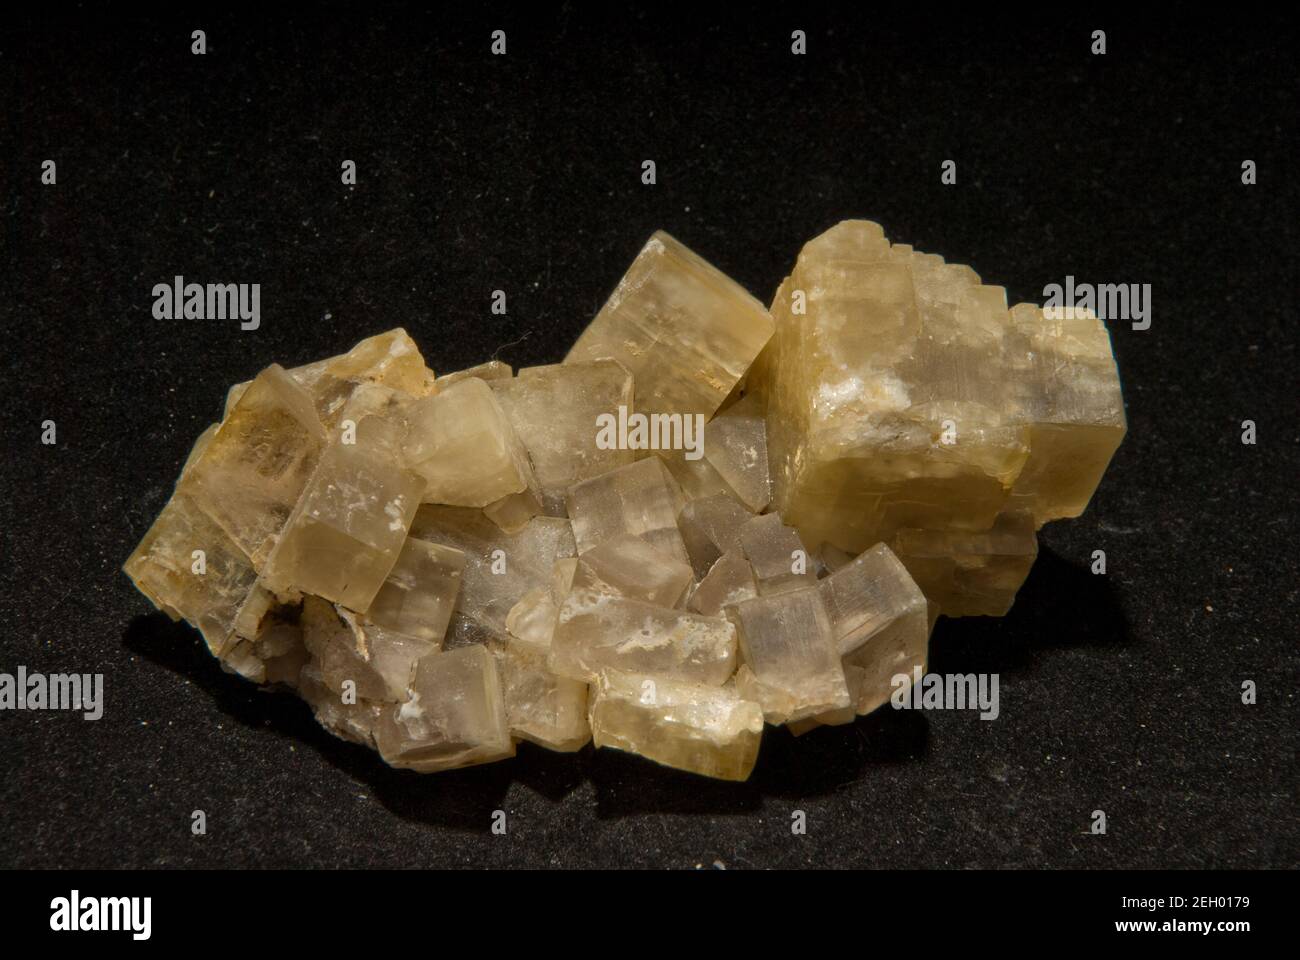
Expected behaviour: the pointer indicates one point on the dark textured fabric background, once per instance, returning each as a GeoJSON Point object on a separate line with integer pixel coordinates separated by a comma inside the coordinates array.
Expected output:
{"type": "Point", "coordinates": [522, 172]}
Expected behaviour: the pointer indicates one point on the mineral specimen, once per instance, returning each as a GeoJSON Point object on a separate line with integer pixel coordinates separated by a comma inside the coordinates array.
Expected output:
{"type": "Point", "coordinates": [444, 566]}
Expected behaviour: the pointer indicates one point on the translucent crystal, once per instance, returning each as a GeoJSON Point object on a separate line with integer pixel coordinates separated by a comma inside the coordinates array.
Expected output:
{"type": "Point", "coordinates": [462, 444]}
{"type": "Point", "coordinates": [777, 554]}
{"type": "Point", "coordinates": [347, 530]}
{"type": "Point", "coordinates": [500, 567]}
{"type": "Point", "coordinates": [637, 499]}
{"type": "Point", "coordinates": [703, 729]}
{"type": "Point", "coordinates": [710, 527]}
{"type": "Point", "coordinates": [735, 445]}
{"type": "Point", "coordinates": [419, 594]}
{"type": "Point", "coordinates": [685, 330]}
{"type": "Point", "coordinates": [546, 709]}
{"type": "Point", "coordinates": [492, 370]}
{"type": "Point", "coordinates": [791, 665]}
{"type": "Point", "coordinates": [189, 568]}
{"type": "Point", "coordinates": [903, 394]}
{"type": "Point", "coordinates": [251, 473]}
{"type": "Point", "coordinates": [555, 410]}
{"type": "Point", "coordinates": [881, 623]}
{"type": "Point", "coordinates": [455, 714]}
{"type": "Point", "coordinates": [970, 574]}
{"type": "Point", "coordinates": [600, 628]}
{"type": "Point", "coordinates": [638, 570]}
{"type": "Point", "coordinates": [729, 580]}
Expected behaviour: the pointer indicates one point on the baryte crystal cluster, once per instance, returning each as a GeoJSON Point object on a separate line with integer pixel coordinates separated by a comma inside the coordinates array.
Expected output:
{"type": "Point", "coordinates": [442, 566]}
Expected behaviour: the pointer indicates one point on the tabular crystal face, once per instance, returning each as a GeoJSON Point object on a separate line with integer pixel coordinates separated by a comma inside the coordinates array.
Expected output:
{"type": "Point", "coordinates": [251, 473]}
{"type": "Point", "coordinates": [702, 729]}
{"type": "Point", "coordinates": [638, 499]}
{"type": "Point", "coordinates": [462, 444]}
{"type": "Point", "coordinates": [599, 628]}
{"type": "Point", "coordinates": [791, 665]}
{"type": "Point", "coordinates": [188, 567]}
{"type": "Point", "coordinates": [455, 715]}
{"type": "Point", "coordinates": [685, 330]}
{"type": "Point", "coordinates": [555, 411]}
{"type": "Point", "coordinates": [500, 567]}
{"type": "Point", "coordinates": [347, 530]}
{"type": "Point", "coordinates": [729, 580]}
{"type": "Point", "coordinates": [902, 393]}
{"type": "Point", "coordinates": [419, 594]}
{"type": "Point", "coordinates": [971, 574]}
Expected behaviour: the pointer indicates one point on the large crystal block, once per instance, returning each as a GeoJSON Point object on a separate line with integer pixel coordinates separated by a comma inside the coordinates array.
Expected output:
{"type": "Point", "coordinates": [902, 394]}
{"type": "Point", "coordinates": [419, 594]}
{"type": "Point", "coordinates": [685, 330]}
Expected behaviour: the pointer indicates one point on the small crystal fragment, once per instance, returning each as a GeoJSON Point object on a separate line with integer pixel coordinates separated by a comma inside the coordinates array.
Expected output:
{"type": "Point", "coordinates": [729, 580]}
{"type": "Point", "coordinates": [702, 729]}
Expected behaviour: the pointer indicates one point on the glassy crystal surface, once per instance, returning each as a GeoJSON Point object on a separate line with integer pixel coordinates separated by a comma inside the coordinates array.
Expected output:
{"type": "Point", "coordinates": [454, 716]}
{"type": "Point", "coordinates": [790, 664]}
{"type": "Point", "coordinates": [703, 729]}
{"type": "Point", "coordinates": [347, 530]}
{"type": "Point", "coordinates": [903, 394]}
{"type": "Point", "coordinates": [638, 570]}
{"type": "Point", "coordinates": [636, 499]}
{"type": "Point", "coordinates": [555, 410]}
{"type": "Point", "coordinates": [599, 628]}
{"type": "Point", "coordinates": [777, 554]}
{"type": "Point", "coordinates": [686, 331]}
{"type": "Point", "coordinates": [420, 592]}
{"type": "Point", "coordinates": [461, 443]}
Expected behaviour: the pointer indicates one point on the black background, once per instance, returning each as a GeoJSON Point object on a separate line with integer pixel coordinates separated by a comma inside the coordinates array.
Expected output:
{"type": "Point", "coordinates": [522, 173]}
